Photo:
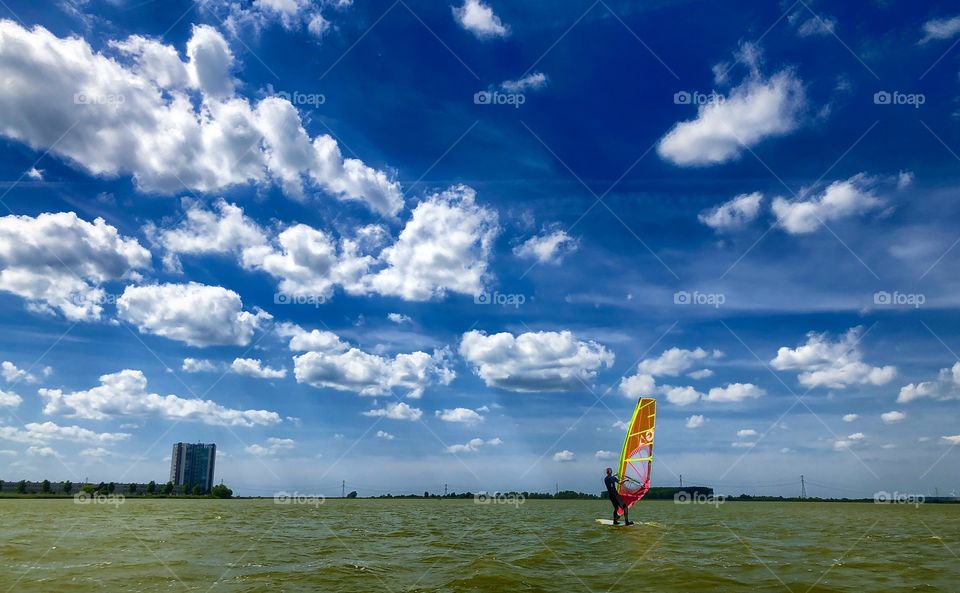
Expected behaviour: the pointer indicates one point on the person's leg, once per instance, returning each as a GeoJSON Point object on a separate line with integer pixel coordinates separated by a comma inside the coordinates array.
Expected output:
{"type": "Point", "coordinates": [616, 507]}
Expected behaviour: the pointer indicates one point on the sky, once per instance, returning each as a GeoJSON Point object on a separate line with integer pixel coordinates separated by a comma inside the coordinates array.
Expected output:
{"type": "Point", "coordinates": [411, 244]}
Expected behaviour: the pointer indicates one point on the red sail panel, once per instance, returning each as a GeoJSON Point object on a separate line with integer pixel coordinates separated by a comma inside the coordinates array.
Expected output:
{"type": "Point", "coordinates": [636, 459]}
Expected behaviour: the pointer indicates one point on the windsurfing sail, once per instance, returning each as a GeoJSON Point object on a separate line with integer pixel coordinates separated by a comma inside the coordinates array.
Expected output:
{"type": "Point", "coordinates": [636, 459]}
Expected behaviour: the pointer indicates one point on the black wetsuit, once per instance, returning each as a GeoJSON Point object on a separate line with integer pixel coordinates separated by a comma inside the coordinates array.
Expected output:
{"type": "Point", "coordinates": [611, 483]}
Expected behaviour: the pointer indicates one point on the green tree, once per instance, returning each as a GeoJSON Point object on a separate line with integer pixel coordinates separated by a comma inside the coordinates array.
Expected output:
{"type": "Point", "coordinates": [151, 487]}
{"type": "Point", "coordinates": [22, 487]}
{"type": "Point", "coordinates": [197, 490]}
{"type": "Point", "coordinates": [352, 494]}
{"type": "Point", "coordinates": [132, 489]}
{"type": "Point", "coordinates": [45, 486]}
{"type": "Point", "coordinates": [88, 488]}
{"type": "Point", "coordinates": [111, 488]}
{"type": "Point", "coordinates": [221, 491]}
{"type": "Point", "coordinates": [67, 487]}
{"type": "Point", "coordinates": [168, 488]}
{"type": "Point", "coordinates": [185, 489]}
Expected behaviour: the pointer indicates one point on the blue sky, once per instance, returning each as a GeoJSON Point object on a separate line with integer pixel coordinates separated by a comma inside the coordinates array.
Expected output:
{"type": "Point", "coordinates": [415, 243]}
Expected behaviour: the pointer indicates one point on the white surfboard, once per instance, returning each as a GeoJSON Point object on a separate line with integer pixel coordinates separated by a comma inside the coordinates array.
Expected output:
{"type": "Point", "coordinates": [611, 523]}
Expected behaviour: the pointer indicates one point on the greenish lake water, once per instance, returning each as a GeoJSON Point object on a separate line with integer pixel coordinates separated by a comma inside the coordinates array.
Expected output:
{"type": "Point", "coordinates": [453, 545]}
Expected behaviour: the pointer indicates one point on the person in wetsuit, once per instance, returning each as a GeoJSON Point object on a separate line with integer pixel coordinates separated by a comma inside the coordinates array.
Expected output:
{"type": "Point", "coordinates": [611, 482]}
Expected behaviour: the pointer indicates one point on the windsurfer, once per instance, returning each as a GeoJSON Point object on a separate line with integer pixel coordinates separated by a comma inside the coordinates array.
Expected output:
{"type": "Point", "coordinates": [611, 482]}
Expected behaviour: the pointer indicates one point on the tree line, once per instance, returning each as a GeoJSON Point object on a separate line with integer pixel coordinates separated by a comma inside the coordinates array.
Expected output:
{"type": "Point", "coordinates": [46, 487]}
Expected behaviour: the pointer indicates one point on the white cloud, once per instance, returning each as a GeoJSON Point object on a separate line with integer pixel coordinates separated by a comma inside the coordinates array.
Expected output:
{"type": "Point", "coordinates": [549, 248]}
{"type": "Point", "coordinates": [399, 318]}
{"type": "Point", "coordinates": [34, 174]}
{"type": "Point", "coordinates": [695, 421]}
{"type": "Point", "coordinates": [125, 394]}
{"type": "Point", "coordinates": [815, 25]}
{"type": "Point", "coordinates": [534, 361]}
{"type": "Point", "coordinates": [701, 374]}
{"type": "Point", "coordinates": [479, 19]}
{"type": "Point", "coordinates": [638, 385]}
{"type": "Point", "coordinates": [460, 415]}
{"type": "Point", "coordinates": [329, 362]}
{"type": "Point", "coordinates": [939, 29]}
{"type": "Point", "coordinates": [757, 109]}
{"type": "Point", "coordinates": [382, 434]}
{"type": "Point", "coordinates": [734, 392]}
{"type": "Point", "coordinates": [841, 199]}
{"type": "Point", "coordinates": [850, 417]}
{"type": "Point", "coordinates": [252, 367]}
{"type": "Point", "coordinates": [675, 361]}
{"type": "Point", "coordinates": [953, 440]}
{"type": "Point", "coordinates": [605, 455]}
{"type": "Point", "coordinates": [198, 365]}
{"type": "Point", "coordinates": [531, 82]}
{"type": "Point", "coordinates": [12, 374]}
{"type": "Point", "coordinates": [733, 215]}
{"type": "Point", "coordinates": [293, 15]}
{"type": "Point", "coordinates": [564, 456]}
{"type": "Point", "coordinates": [743, 445]}
{"type": "Point", "coordinates": [396, 411]}
{"type": "Point", "coordinates": [9, 399]}
{"type": "Point", "coordinates": [169, 122]}
{"type": "Point", "coordinates": [444, 247]}
{"type": "Point", "coordinates": [42, 432]}
{"type": "Point", "coordinates": [196, 314]}
{"type": "Point", "coordinates": [945, 387]}
{"type": "Point", "coordinates": [42, 451]}
{"type": "Point", "coordinates": [832, 364]}
{"type": "Point", "coordinates": [893, 417]}
{"type": "Point", "coordinates": [473, 445]}
{"type": "Point", "coordinates": [746, 432]}
{"type": "Point", "coordinates": [681, 396]}
{"type": "Point", "coordinates": [273, 446]}
{"type": "Point", "coordinates": [64, 274]}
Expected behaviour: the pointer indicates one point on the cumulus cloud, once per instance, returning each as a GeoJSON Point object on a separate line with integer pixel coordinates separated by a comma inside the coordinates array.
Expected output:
{"type": "Point", "coordinates": [12, 374]}
{"type": "Point", "coordinates": [57, 261]}
{"type": "Point", "coordinates": [746, 432]}
{"type": "Point", "coordinates": [850, 417]}
{"type": "Point", "coordinates": [9, 399]}
{"type": "Point", "coordinates": [808, 24]}
{"type": "Point", "coordinates": [125, 394]}
{"type": "Point", "coordinates": [680, 396]}
{"type": "Point", "coordinates": [564, 456]}
{"type": "Point", "coordinates": [548, 248]}
{"type": "Point", "coordinates": [460, 415]}
{"type": "Point", "coordinates": [382, 434]}
{"type": "Point", "coordinates": [534, 361]}
{"type": "Point", "coordinates": [735, 392]}
{"type": "Point", "coordinates": [701, 374]}
{"type": "Point", "coordinates": [945, 387]}
{"type": "Point", "coordinates": [273, 446]}
{"type": "Point", "coordinates": [198, 365]}
{"type": "Point", "coordinates": [841, 199]}
{"type": "Point", "coordinates": [638, 385]}
{"type": "Point", "coordinates": [849, 441]}
{"type": "Point", "coordinates": [293, 15]}
{"type": "Point", "coordinates": [328, 362]}
{"type": "Point", "coordinates": [43, 432]}
{"type": "Point", "coordinates": [605, 455]}
{"type": "Point", "coordinates": [953, 440]}
{"type": "Point", "coordinates": [757, 109]}
{"type": "Point", "coordinates": [196, 314]}
{"type": "Point", "coordinates": [396, 411]}
{"type": "Point", "coordinates": [473, 445]}
{"type": "Point", "coordinates": [252, 367]}
{"type": "Point", "coordinates": [939, 29]}
{"type": "Point", "coordinates": [695, 421]}
{"type": "Point", "coordinates": [531, 82]}
{"type": "Point", "coordinates": [479, 19]}
{"type": "Point", "coordinates": [832, 364]}
{"type": "Point", "coordinates": [733, 215]}
{"type": "Point", "coordinates": [675, 361]}
{"type": "Point", "coordinates": [893, 417]}
{"type": "Point", "coordinates": [399, 318]}
{"type": "Point", "coordinates": [168, 122]}
{"type": "Point", "coordinates": [444, 247]}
